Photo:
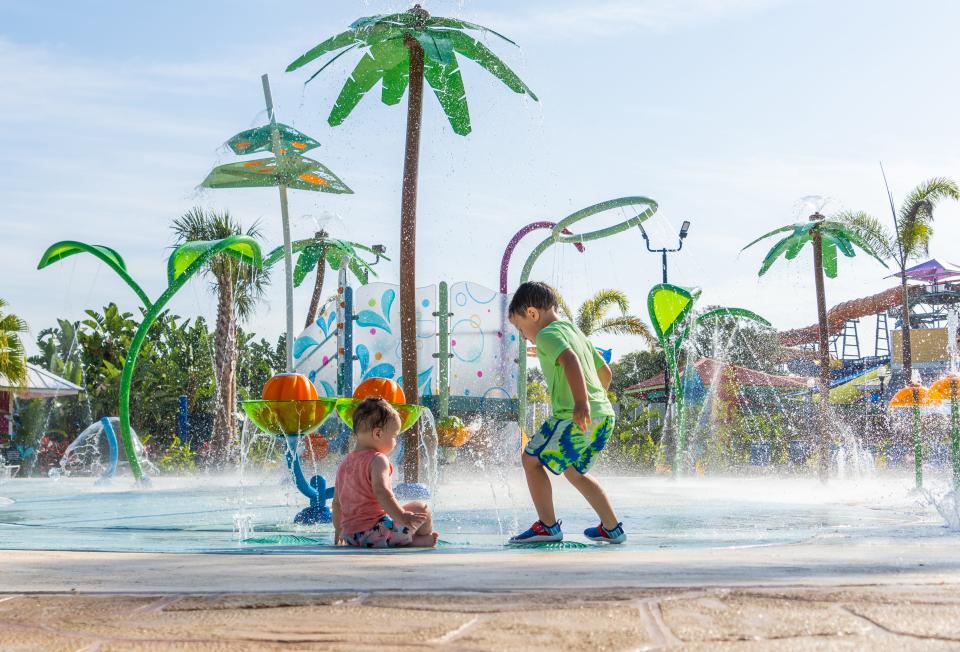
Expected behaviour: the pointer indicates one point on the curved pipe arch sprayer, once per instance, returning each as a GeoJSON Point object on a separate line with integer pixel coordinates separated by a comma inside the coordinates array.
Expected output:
{"type": "Point", "coordinates": [558, 235]}
{"type": "Point", "coordinates": [515, 240]}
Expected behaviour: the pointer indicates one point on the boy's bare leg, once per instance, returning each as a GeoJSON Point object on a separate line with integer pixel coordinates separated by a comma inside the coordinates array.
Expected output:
{"type": "Point", "coordinates": [595, 495]}
{"type": "Point", "coordinates": [541, 491]}
{"type": "Point", "coordinates": [424, 537]}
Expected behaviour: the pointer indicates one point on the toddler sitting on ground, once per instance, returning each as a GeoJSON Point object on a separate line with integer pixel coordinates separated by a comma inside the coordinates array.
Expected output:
{"type": "Point", "coordinates": [366, 514]}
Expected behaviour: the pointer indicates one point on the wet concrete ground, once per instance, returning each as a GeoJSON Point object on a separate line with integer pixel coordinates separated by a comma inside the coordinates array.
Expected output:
{"type": "Point", "coordinates": [905, 617]}
{"type": "Point", "coordinates": [881, 595]}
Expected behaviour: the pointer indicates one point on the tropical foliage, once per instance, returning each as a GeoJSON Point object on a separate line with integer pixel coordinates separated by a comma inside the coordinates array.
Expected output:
{"type": "Point", "coordinates": [176, 359]}
{"type": "Point", "coordinates": [13, 367]}
{"type": "Point", "coordinates": [593, 317]}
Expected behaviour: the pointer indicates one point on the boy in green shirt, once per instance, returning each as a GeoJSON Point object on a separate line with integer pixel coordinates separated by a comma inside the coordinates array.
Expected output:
{"type": "Point", "coordinates": [581, 419]}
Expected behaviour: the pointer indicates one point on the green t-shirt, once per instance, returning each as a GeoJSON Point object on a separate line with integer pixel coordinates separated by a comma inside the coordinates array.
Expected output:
{"type": "Point", "coordinates": [551, 342]}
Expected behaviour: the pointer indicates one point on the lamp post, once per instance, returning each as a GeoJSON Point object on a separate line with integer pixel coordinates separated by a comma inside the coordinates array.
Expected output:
{"type": "Point", "coordinates": [684, 229]}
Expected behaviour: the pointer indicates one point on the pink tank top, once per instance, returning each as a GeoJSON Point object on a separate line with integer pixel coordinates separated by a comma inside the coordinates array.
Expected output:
{"type": "Point", "coordinates": [359, 509]}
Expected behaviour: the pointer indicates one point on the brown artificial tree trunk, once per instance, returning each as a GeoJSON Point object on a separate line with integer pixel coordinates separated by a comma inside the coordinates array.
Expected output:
{"type": "Point", "coordinates": [824, 411]}
{"type": "Point", "coordinates": [905, 329]}
{"type": "Point", "coordinates": [408, 254]}
{"type": "Point", "coordinates": [225, 355]}
{"type": "Point", "coordinates": [318, 284]}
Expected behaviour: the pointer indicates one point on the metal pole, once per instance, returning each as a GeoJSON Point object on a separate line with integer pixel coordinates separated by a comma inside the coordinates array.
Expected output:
{"type": "Point", "coordinates": [917, 441]}
{"type": "Point", "coordinates": [348, 341]}
{"type": "Point", "coordinates": [443, 356]}
{"type": "Point", "coordinates": [285, 221]}
{"type": "Point", "coordinates": [667, 414]}
{"type": "Point", "coordinates": [955, 435]}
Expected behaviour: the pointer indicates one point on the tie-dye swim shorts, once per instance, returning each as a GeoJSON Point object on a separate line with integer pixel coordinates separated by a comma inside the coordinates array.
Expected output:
{"type": "Point", "coordinates": [560, 443]}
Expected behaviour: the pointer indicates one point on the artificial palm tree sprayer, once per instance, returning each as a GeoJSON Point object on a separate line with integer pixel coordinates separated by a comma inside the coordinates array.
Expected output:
{"type": "Point", "coordinates": [400, 51]}
{"type": "Point", "coordinates": [320, 251]}
{"type": "Point", "coordinates": [827, 237]}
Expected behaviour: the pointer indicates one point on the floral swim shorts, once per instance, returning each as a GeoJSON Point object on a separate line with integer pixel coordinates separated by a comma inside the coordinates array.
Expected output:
{"type": "Point", "coordinates": [560, 444]}
{"type": "Point", "coordinates": [382, 535]}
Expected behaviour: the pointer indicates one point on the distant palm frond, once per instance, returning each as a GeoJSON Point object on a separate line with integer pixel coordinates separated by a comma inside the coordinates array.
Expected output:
{"type": "Point", "coordinates": [871, 230]}
{"type": "Point", "coordinates": [13, 361]}
{"type": "Point", "coordinates": [915, 218]}
{"type": "Point", "coordinates": [594, 309]}
{"type": "Point", "coordinates": [249, 282]}
{"type": "Point", "coordinates": [626, 325]}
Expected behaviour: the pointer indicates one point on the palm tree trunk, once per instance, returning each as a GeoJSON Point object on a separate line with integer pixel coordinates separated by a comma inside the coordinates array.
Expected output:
{"type": "Point", "coordinates": [317, 291]}
{"type": "Point", "coordinates": [408, 253]}
{"type": "Point", "coordinates": [823, 413]}
{"type": "Point", "coordinates": [907, 348]}
{"type": "Point", "coordinates": [225, 361]}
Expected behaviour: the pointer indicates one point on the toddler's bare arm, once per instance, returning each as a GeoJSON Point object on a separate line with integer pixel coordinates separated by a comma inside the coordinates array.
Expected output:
{"type": "Point", "coordinates": [335, 508]}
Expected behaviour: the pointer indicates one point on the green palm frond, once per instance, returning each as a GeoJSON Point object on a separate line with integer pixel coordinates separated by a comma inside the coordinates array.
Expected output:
{"type": "Point", "coordinates": [846, 236]}
{"type": "Point", "coordinates": [248, 280]}
{"type": "Point", "coordinates": [594, 309]}
{"type": "Point", "coordinates": [565, 310]}
{"type": "Point", "coordinates": [387, 60]}
{"type": "Point", "coordinates": [782, 229]}
{"type": "Point", "coordinates": [447, 84]}
{"type": "Point", "coordinates": [13, 360]}
{"type": "Point", "coordinates": [626, 325]}
{"type": "Point", "coordinates": [380, 58]}
{"type": "Point", "coordinates": [870, 231]}
{"type": "Point", "coordinates": [332, 252]}
{"type": "Point", "coordinates": [792, 243]}
{"type": "Point", "coordinates": [915, 218]}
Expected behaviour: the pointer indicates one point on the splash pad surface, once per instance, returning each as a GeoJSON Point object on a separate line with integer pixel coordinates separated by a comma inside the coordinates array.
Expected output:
{"type": "Point", "coordinates": [204, 514]}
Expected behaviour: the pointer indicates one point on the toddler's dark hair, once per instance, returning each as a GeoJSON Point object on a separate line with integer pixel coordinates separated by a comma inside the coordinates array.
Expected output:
{"type": "Point", "coordinates": [373, 412]}
{"type": "Point", "coordinates": [533, 294]}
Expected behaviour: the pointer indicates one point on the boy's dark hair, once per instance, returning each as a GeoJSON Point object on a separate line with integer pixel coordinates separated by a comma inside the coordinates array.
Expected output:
{"type": "Point", "coordinates": [533, 294]}
{"type": "Point", "coordinates": [373, 412]}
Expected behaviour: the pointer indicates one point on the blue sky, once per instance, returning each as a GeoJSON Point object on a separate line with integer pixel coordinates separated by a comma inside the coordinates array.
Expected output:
{"type": "Point", "coordinates": [726, 112]}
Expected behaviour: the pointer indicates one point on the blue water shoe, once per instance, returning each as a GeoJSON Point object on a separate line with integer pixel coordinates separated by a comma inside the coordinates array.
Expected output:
{"type": "Point", "coordinates": [600, 533]}
{"type": "Point", "coordinates": [539, 533]}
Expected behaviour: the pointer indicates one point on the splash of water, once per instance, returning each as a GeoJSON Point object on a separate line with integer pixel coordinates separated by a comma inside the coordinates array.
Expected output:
{"type": "Point", "coordinates": [948, 506]}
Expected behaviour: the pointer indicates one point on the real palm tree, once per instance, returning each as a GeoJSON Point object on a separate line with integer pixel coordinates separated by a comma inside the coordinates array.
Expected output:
{"type": "Point", "coordinates": [592, 317]}
{"type": "Point", "coordinates": [907, 242]}
{"type": "Point", "coordinates": [238, 285]}
{"type": "Point", "coordinates": [402, 50]}
{"type": "Point", "coordinates": [13, 360]}
{"type": "Point", "coordinates": [826, 237]}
